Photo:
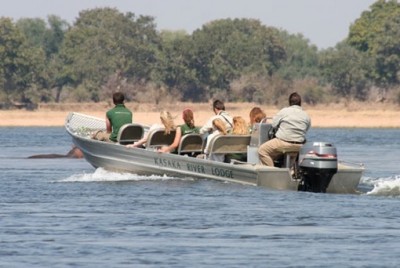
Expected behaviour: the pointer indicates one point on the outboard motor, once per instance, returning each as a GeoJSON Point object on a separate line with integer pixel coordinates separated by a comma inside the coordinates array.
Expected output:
{"type": "Point", "coordinates": [317, 165]}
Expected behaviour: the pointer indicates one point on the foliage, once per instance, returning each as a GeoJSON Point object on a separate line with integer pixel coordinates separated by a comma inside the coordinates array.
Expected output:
{"type": "Point", "coordinates": [301, 57]}
{"type": "Point", "coordinates": [345, 68]}
{"type": "Point", "coordinates": [233, 59]}
{"type": "Point", "coordinates": [387, 58]}
{"type": "Point", "coordinates": [377, 32]}
{"type": "Point", "coordinates": [311, 91]}
{"type": "Point", "coordinates": [46, 38]}
{"type": "Point", "coordinates": [20, 66]}
{"type": "Point", "coordinates": [105, 41]}
{"type": "Point", "coordinates": [174, 66]}
{"type": "Point", "coordinates": [34, 31]}
{"type": "Point", "coordinates": [366, 31]}
{"type": "Point", "coordinates": [225, 49]}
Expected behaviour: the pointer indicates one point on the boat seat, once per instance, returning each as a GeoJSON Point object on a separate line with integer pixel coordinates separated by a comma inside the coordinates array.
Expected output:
{"type": "Point", "coordinates": [229, 144]}
{"type": "Point", "coordinates": [191, 144]}
{"type": "Point", "coordinates": [157, 138]}
{"type": "Point", "coordinates": [129, 133]}
{"type": "Point", "coordinates": [289, 157]}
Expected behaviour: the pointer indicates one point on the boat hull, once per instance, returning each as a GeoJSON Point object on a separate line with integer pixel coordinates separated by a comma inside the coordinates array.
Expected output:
{"type": "Point", "coordinates": [116, 157]}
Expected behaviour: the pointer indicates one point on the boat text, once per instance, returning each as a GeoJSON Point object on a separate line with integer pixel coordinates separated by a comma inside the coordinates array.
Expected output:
{"type": "Point", "coordinates": [196, 168]}
{"type": "Point", "coordinates": [221, 172]}
{"type": "Point", "coordinates": [167, 163]}
{"type": "Point", "coordinates": [200, 169]}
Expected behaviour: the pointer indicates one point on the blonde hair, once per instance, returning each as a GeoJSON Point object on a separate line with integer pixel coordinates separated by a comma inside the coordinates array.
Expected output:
{"type": "Point", "coordinates": [239, 126]}
{"type": "Point", "coordinates": [168, 121]}
{"type": "Point", "coordinates": [256, 115]}
{"type": "Point", "coordinates": [220, 125]}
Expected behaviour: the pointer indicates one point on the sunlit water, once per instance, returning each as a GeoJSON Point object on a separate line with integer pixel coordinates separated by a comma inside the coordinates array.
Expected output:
{"type": "Point", "coordinates": [64, 213]}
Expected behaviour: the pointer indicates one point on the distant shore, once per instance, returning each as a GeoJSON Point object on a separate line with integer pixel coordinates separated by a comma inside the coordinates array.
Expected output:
{"type": "Point", "coordinates": [359, 116]}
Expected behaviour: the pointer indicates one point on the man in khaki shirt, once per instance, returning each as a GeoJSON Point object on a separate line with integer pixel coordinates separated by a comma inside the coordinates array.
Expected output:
{"type": "Point", "coordinates": [292, 124]}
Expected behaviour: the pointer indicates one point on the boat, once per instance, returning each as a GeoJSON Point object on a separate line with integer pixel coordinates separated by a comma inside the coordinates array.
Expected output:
{"type": "Point", "coordinates": [315, 168]}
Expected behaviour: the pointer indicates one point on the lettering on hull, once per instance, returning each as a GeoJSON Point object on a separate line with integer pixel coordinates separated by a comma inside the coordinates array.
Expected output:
{"type": "Point", "coordinates": [196, 168]}
{"type": "Point", "coordinates": [221, 172]}
{"type": "Point", "coordinates": [167, 163]}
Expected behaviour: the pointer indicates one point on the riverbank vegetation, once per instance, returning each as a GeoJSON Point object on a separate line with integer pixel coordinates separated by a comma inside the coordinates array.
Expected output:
{"type": "Point", "coordinates": [238, 60]}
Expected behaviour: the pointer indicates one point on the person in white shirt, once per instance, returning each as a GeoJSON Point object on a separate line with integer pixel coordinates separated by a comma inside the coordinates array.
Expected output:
{"type": "Point", "coordinates": [292, 124]}
{"type": "Point", "coordinates": [219, 110]}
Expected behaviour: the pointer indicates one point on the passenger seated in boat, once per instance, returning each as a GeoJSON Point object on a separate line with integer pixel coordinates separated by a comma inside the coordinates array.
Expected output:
{"type": "Point", "coordinates": [167, 124]}
{"type": "Point", "coordinates": [182, 130]}
{"type": "Point", "coordinates": [239, 128]}
{"type": "Point", "coordinates": [257, 115]}
{"type": "Point", "coordinates": [291, 124]}
{"type": "Point", "coordinates": [219, 110]}
{"type": "Point", "coordinates": [219, 127]}
{"type": "Point", "coordinates": [115, 119]}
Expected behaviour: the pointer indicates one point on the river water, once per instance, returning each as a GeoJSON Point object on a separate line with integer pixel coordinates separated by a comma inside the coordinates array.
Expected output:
{"type": "Point", "coordinates": [65, 213]}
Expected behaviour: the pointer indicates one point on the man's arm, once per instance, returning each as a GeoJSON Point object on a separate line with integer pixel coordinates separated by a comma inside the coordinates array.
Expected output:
{"type": "Point", "coordinates": [277, 119]}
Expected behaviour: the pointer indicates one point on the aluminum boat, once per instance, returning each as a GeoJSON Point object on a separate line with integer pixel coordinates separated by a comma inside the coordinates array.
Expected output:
{"type": "Point", "coordinates": [315, 168]}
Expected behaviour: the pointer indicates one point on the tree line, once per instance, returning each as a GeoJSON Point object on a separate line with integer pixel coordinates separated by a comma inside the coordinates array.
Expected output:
{"type": "Point", "coordinates": [238, 60]}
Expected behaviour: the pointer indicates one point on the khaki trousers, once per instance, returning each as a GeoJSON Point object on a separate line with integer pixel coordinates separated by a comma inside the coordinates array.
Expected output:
{"type": "Point", "coordinates": [273, 149]}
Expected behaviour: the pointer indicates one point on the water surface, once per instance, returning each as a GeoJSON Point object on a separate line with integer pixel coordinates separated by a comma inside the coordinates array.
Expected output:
{"type": "Point", "coordinates": [65, 213]}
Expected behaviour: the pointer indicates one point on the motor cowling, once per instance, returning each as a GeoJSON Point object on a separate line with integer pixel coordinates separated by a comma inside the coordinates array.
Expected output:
{"type": "Point", "coordinates": [317, 165]}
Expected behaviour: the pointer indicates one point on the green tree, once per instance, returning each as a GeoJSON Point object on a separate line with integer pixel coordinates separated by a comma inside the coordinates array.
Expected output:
{"type": "Point", "coordinates": [365, 32]}
{"type": "Point", "coordinates": [34, 31]}
{"type": "Point", "coordinates": [20, 67]}
{"type": "Point", "coordinates": [387, 55]}
{"type": "Point", "coordinates": [377, 34]}
{"type": "Point", "coordinates": [173, 66]}
{"type": "Point", "coordinates": [226, 49]}
{"type": "Point", "coordinates": [103, 42]}
{"type": "Point", "coordinates": [54, 35]}
{"type": "Point", "coordinates": [345, 69]}
{"type": "Point", "coordinates": [46, 39]}
{"type": "Point", "coordinates": [39, 34]}
{"type": "Point", "coordinates": [301, 57]}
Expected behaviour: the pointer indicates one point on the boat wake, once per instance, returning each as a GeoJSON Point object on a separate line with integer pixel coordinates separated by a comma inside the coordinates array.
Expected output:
{"type": "Point", "coordinates": [101, 174]}
{"type": "Point", "coordinates": [384, 186]}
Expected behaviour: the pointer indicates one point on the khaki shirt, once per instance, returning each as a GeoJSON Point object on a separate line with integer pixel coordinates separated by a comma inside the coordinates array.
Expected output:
{"type": "Point", "coordinates": [293, 124]}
